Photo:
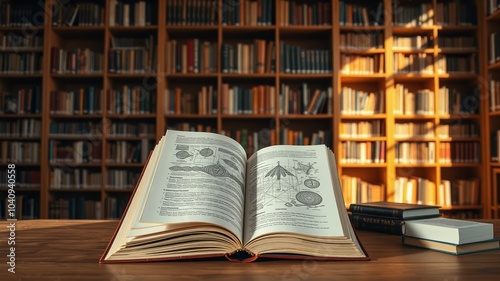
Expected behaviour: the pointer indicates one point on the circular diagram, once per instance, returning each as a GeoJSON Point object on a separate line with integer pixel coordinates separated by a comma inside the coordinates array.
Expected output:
{"type": "Point", "coordinates": [182, 154]}
{"type": "Point", "coordinates": [309, 198]}
{"type": "Point", "coordinates": [206, 152]}
{"type": "Point", "coordinates": [311, 183]}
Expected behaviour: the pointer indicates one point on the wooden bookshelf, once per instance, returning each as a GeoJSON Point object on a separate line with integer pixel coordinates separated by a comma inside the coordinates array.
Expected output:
{"type": "Point", "coordinates": [392, 79]}
{"type": "Point", "coordinates": [492, 118]}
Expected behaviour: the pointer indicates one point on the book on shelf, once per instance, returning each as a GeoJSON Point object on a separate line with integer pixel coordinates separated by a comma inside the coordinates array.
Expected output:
{"type": "Point", "coordinates": [395, 210]}
{"type": "Point", "coordinates": [195, 207]}
{"type": "Point", "coordinates": [451, 248]}
{"type": "Point", "coordinates": [449, 230]}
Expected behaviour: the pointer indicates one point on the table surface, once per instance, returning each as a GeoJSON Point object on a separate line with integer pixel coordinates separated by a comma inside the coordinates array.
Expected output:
{"type": "Point", "coordinates": [70, 250]}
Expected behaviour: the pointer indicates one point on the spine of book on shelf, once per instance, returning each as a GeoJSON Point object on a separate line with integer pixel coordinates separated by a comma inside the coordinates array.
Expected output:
{"type": "Point", "coordinates": [19, 152]}
{"type": "Point", "coordinates": [362, 152]}
{"type": "Point", "coordinates": [458, 192]}
{"type": "Point", "coordinates": [356, 190]}
{"type": "Point", "coordinates": [377, 224]}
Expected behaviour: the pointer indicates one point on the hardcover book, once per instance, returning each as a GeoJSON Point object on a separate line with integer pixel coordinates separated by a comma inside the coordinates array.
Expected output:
{"type": "Point", "coordinates": [451, 248]}
{"type": "Point", "coordinates": [199, 196]}
{"type": "Point", "coordinates": [395, 210]}
{"type": "Point", "coordinates": [449, 230]}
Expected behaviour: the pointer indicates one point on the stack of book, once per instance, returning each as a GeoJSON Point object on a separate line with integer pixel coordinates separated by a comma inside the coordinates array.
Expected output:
{"type": "Point", "coordinates": [450, 236]}
{"type": "Point", "coordinates": [388, 217]}
{"type": "Point", "coordinates": [422, 226]}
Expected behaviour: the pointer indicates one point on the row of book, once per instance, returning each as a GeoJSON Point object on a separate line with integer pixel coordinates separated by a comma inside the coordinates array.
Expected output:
{"type": "Point", "coordinates": [458, 129]}
{"type": "Point", "coordinates": [258, 99]}
{"type": "Point", "coordinates": [76, 61]}
{"type": "Point", "coordinates": [76, 102]}
{"type": "Point", "coordinates": [413, 63]}
{"type": "Point", "coordinates": [414, 190]}
{"type": "Point", "coordinates": [494, 90]}
{"type": "Point", "coordinates": [15, 42]}
{"type": "Point", "coordinates": [77, 14]}
{"type": "Point", "coordinates": [131, 100]}
{"type": "Point", "coordinates": [415, 152]}
{"type": "Point", "coordinates": [358, 102]}
{"type": "Point", "coordinates": [408, 102]}
{"type": "Point", "coordinates": [495, 146]}
{"type": "Point", "coordinates": [457, 42]}
{"type": "Point", "coordinates": [296, 59]}
{"type": "Point", "coordinates": [252, 141]}
{"type": "Point", "coordinates": [113, 129]}
{"type": "Point", "coordinates": [75, 178]}
{"type": "Point", "coordinates": [494, 47]}
{"type": "Point", "coordinates": [20, 15]}
{"type": "Point", "coordinates": [304, 13]}
{"type": "Point", "coordinates": [27, 207]}
{"type": "Point", "coordinates": [21, 63]}
{"type": "Point", "coordinates": [361, 15]}
{"type": "Point", "coordinates": [362, 152]}
{"type": "Point", "coordinates": [131, 129]}
{"type": "Point", "coordinates": [425, 152]}
{"type": "Point", "coordinates": [138, 13]}
{"type": "Point", "coordinates": [22, 101]}
{"type": "Point", "coordinates": [191, 12]}
{"type": "Point", "coordinates": [193, 127]}
{"type": "Point", "coordinates": [362, 64]}
{"type": "Point", "coordinates": [459, 152]}
{"type": "Point", "coordinates": [120, 179]}
{"type": "Point", "coordinates": [21, 128]}
{"type": "Point", "coordinates": [75, 128]}
{"type": "Point", "coordinates": [203, 101]}
{"type": "Point", "coordinates": [19, 152]}
{"type": "Point", "coordinates": [426, 129]}
{"type": "Point", "coordinates": [75, 152]}
{"type": "Point", "coordinates": [243, 58]}
{"type": "Point", "coordinates": [295, 137]}
{"type": "Point", "coordinates": [363, 129]}
{"type": "Point", "coordinates": [122, 152]}
{"type": "Point", "coordinates": [456, 12]}
{"type": "Point", "coordinates": [356, 190]}
{"type": "Point", "coordinates": [135, 60]}
{"type": "Point", "coordinates": [416, 42]}
{"type": "Point", "coordinates": [304, 100]}
{"type": "Point", "coordinates": [463, 63]}
{"type": "Point", "coordinates": [78, 207]}
{"type": "Point", "coordinates": [414, 14]}
{"type": "Point", "coordinates": [492, 6]}
{"type": "Point", "coordinates": [411, 129]}
{"type": "Point", "coordinates": [245, 12]}
{"type": "Point", "coordinates": [362, 40]}
{"type": "Point", "coordinates": [455, 101]}
{"type": "Point", "coordinates": [196, 56]}
{"type": "Point", "coordinates": [25, 179]}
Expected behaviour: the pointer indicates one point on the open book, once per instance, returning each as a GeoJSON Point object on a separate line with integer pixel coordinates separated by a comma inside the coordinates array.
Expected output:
{"type": "Point", "coordinates": [199, 196]}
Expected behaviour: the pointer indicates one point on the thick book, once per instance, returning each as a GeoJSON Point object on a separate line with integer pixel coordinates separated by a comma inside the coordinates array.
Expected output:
{"type": "Point", "coordinates": [395, 210]}
{"type": "Point", "coordinates": [451, 248]}
{"type": "Point", "coordinates": [377, 224]}
{"type": "Point", "coordinates": [449, 230]}
{"type": "Point", "coordinates": [199, 196]}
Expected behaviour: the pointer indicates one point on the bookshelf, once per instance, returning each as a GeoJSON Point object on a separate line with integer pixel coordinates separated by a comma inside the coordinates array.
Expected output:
{"type": "Point", "coordinates": [492, 118]}
{"type": "Point", "coordinates": [393, 87]}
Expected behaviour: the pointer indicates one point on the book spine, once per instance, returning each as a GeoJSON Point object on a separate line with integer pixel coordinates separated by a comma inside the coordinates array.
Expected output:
{"type": "Point", "coordinates": [377, 224]}
{"type": "Point", "coordinates": [384, 212]}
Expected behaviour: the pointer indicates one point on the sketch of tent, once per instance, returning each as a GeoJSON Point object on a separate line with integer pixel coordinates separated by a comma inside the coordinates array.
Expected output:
{"type": "Point", "coordinates": [279, 171]}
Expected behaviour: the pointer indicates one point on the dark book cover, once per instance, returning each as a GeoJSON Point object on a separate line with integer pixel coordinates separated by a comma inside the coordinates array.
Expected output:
{"type": "Point", "coordinates": [395, 210]}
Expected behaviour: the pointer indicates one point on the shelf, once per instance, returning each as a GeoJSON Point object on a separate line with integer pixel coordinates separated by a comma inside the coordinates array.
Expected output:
{"type": "Point", "coordinates": [247, 29]}
{"type": "Point", "coordinates": [420, 165]}
{"type": "Point", "coordinates": [74, 189]}
{"type": "Point", "coordinates": [354, 138]}
{"type": "Point", "coordinates": [456, 165]}
{"type": "Point", "coordinates": [75, 116]}
{"type": "Point", "coordinates": [79, 31]}
{"type": "Point", "coordinates": [414, 139]}
{"type": "Point", "coordinates": [124, 165]}
{"type": "Point", "coordinates": [357, 28]}
{"type": "Point", "coordinates": [20, 138]}
{"type": "Point", "coordinates": [78, 76]}
{"type": "Point", "coordinates": [413, 51]}
{"type": "Point", "coordinates": [414, 117]}
{"type": "Point", "coordinates": [133, 30]}
{"type": "Point", "coordinates": [494, 17]}
{"type": "Point", "coordinates": [131, 75]}
{"type": "Point", "coordinates": [413, 76]}
{"type": "Point", "coordinates": [369, 51]}
{"type": "Point", "coordinates": [363, 77]}
{"type": "Point", "coordinates": [458, 207]}
{"type": "Point", "coordinates": [456, 28]}
{"type": "Point", "coordinates": [74, 164]}
{"type": "Point", "coordinates": [457, 76]}
{"type": "Point", "coordinates": [192, 75]}
{"type": "Point", "coordinates": [130, 116]}
{"type": "Point", "coordinates": [300, 29]}
{"type": "Point", "coordinates": [129, 138]}
{"type": "Point", "coordinates": [247, 116]}
{"type": "Point", "coordinates": [457, 50]}
{"type": "Point", "coordinates": [401, 30]}
{"type": "Point", "coordinates": [305, 116]}
{"type": "Point", "coordinates": [460, 116]}
{"type": "Point", "coordinates": [190, 116]}
{"type": "Point", "coordinates": [191, 28]}
{"type": "Point", "coordinates": [20, 49]}
{"type": "Point", "coordinates": [247, 75]}
{"type": "Point", "coordinates": [20, 116]}
{"type": "Point", "coordinates": [494, 66]}
{"type": "Point", "coordinates": [363, 117]}
{"type": "Point", "coordinates": [363, 166]}
{"type": "Point", "coordinates": [29, 28]}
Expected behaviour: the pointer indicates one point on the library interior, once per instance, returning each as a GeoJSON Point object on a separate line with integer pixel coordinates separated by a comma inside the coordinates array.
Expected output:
{"type": "Point", "coordinates": [405, 93]}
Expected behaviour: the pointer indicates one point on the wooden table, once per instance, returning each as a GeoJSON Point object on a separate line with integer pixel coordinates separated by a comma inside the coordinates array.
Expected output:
{"type": "Point", "coordinates": [70, 249]}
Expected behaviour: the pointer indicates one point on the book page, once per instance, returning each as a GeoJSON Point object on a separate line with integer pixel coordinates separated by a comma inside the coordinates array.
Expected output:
{"type": "Point", "coordinates": [290, 189]}
{"type": "Point", "coordinates": [200, 178]}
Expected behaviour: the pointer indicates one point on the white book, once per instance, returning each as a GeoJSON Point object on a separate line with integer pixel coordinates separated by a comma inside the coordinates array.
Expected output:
{"type": "Point", "coordinates": [449, 230]}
